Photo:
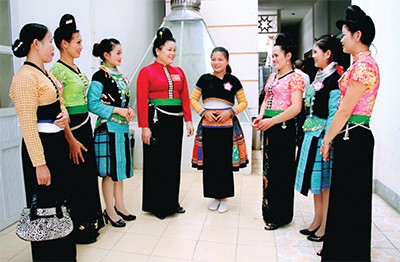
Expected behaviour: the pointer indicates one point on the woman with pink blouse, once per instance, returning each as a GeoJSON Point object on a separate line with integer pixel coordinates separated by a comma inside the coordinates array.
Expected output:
{"type": "Point", "coordinates": [282, 102]}
{"type": "Point", "coordinates": [348, 230]}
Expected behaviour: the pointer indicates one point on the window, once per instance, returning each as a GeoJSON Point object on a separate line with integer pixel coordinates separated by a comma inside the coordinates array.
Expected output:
{"type": "Point", "coordinates": [6, 56]}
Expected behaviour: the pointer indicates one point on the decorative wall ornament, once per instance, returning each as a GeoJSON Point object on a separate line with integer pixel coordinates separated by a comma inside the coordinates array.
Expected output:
{"type": "Point", "coordinates": [267, 24]}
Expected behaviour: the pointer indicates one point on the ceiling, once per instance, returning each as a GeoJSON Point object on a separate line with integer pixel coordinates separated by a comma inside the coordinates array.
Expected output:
{"type": "Point", "coordinates": [292, 11]}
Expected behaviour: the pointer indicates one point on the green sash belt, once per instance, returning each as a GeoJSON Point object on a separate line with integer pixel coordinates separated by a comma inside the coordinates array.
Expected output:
{"type": "Point", "coordinates": [166, 102]}
{"type": "Point", "coordinates": [359, 119]}
{"type": "Point", "coordinates": [73, 110]}
{"type": "Point", "coordinates": [272, 113]}
{"type": "Point", "coordinates": [118, 117]}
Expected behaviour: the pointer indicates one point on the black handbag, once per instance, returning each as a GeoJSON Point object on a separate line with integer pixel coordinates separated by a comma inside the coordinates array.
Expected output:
{"type": "Point", "coordinates": [43, 224]}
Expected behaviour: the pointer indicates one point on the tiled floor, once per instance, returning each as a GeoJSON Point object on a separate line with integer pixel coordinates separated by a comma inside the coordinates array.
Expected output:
{"type": "Point", "coordinates": [203, 235]}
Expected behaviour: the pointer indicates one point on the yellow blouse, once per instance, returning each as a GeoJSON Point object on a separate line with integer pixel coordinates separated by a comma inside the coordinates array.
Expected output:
{"type": "Point", "coordinates": [29, 89]}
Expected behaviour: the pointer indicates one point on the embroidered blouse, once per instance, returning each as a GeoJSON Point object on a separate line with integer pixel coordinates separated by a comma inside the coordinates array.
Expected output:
{"type": "Point", "coordinates": [278, 91]}
{"type": "Point", "coordinates": [111, 83]}
{"type": "Point", "coordinates": [321, 105]}
{"type": "Point", "coordinates": [152, 83]}
{"type": "Point", "coordinates": [364, 70]}
{"type": "Point", "coordinates": [75, 86]}
{"type": "Point", "coordinates": [30, 88]}
{"type": "Point", "coordinates": [210, 87]}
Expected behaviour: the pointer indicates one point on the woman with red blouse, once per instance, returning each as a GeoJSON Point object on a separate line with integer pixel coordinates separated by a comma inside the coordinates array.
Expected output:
{"type": "Point", "coordinates": [162, 102]}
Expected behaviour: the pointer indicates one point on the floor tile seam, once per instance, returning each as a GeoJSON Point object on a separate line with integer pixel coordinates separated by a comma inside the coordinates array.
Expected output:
{"type": "Point", "coordinates": [388, 239]}
{"type": "Point", "coordinates": [127, 233]}
{"type": "Point", "coordinates": [119, 238]}
{"type": "Point", "coordinates": [108, 252]}
{"type": "Point", "coordinates": [169, 257]}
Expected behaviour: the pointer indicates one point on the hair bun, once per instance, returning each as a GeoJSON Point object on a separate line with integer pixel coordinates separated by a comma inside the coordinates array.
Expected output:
{"type": "Point", "coordinates": [164, 33]}
{"type": "Point", "coordinates": [18, 48]}
{"type": "Point", "coordinates": [283, 39]}
{"type": "Point", "coordinates": [96, 50]}
{"type": "Point", "coordinates": [354, 13]}
{"type": "Point", "coordinates": [68, 21]}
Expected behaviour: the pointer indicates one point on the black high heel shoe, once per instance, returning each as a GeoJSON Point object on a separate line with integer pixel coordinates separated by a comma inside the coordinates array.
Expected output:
{"type": "Point", "coordinates": [308, 232]}
{"type": "Point", "coordinates": [316, 238]}
{"type": "Point", "coordinates": [119, 223]}
{"type": "Point", "coordinates": [180, 210]}
{"type": "Point", "coordinates": [129, 217]}
{"type": "Point", "coordinates": [271, 226]}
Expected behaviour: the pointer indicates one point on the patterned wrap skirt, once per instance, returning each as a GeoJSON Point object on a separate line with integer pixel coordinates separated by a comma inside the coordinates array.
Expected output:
{"type": "Point", "coordinates": [312, 172]}
{"type": "Point", "coordinates": [113, 150]}
{"type": "Point", "coordinates": [239, 151]}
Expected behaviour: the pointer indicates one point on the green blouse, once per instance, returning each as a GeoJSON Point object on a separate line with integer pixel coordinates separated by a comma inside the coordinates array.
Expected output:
{"type": "Point", "coordinates": [75, 87]}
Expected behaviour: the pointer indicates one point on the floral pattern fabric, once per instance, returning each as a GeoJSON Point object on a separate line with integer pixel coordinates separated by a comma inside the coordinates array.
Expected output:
{"type": "Point", "coordinates": [282, 89]}
{"type": "Point", "coordinates": [364, 70]}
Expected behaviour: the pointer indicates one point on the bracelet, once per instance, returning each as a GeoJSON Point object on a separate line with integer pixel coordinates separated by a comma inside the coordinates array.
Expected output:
{"type": "Point", "coordinates": [323, 144]}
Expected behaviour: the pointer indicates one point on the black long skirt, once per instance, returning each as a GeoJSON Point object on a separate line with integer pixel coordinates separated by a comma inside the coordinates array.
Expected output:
{"type": "Point", "coordinates": [279, 173]}
{"type": "Point", "coordinates": [218, 179]}
{"type": "Point", "coordinates": [56, 153]}
{"type": "Point", "coordinates": [348, 229]}
{"type": "Point", "coordinates": [162, 163]}
{"type": "Point", "coordinates": [84, 199]}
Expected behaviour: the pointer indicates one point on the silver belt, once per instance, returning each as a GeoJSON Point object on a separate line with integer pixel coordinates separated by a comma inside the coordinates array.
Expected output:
{"type": "Point", "coordinates": [155, 117]}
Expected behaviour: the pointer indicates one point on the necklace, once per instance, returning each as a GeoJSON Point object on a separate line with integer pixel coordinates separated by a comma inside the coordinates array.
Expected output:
{"type": "Point", "coordinates": [45, 73]}
{"type": "Point", "coordinates": [121, 82]}
{"type": "Point", "coordinates": [272, 86]}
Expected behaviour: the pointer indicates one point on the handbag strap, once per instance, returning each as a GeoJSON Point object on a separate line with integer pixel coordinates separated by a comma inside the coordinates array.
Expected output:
{"type": "Point", "coordinates": [33, 212]}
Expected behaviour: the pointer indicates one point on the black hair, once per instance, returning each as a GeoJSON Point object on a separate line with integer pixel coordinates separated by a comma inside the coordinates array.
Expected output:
{"type": "Point", "coordinates": [66, 29]}
{"type": "Point", "coordinates": [226, 53]}
{"type": "Point", "coordinates": [106, 45]}
{"type": "Point", "coordinates": [163, 35]}
{"type": "Point", "coordinates": [285, 41]}
{"type": "Point", "coordinates": [28, 33]}
{"type": "Point", "coordinates": [358, 20]}
{"type": "Point", "coordinates": [330, 42]}
{"type": "Point", "coordinates": [299, 64]}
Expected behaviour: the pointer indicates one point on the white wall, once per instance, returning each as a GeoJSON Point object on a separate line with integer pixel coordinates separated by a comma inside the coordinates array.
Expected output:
{"type": "Point", "coordinates": [321, 18]}
{"type": "Point", "coordinates": [306, 34]}
{"type": "Point", "coordinates": [236, 30]}
{"type": "Point", "coordinates": [385, 124]}
{"type": "Point", "coordinates": [133, 22]}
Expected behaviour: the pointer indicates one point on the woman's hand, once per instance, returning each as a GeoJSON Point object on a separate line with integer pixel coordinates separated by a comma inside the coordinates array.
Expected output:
{"type": "Point", "coordinates": [209, 115]}
{"type": "Point", "coordinates": [104, 99]}
{"type": "Point", "coordinates": [62, 120]}
{"type": "Point", "coordinates": [189, 128]}
{"type": "Point", "coordinates": [122, 112]}
{"type": "Point", "coordinates": [43, 176]}
{"type": "Point", "coordinates": [131, 113]}
{"type": "Point", "coordinates": [224, 115]}
{"type": "Point", "coordinates": [264, 124]}
{"type": "Point", "coordinates": [325, 150]}
{"type": "Point", "coordinates": [146, 134]}
{"type": "Point", "coordinates": [256, 122]}
{"type": "Point", "coordinates": [75, 151]}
